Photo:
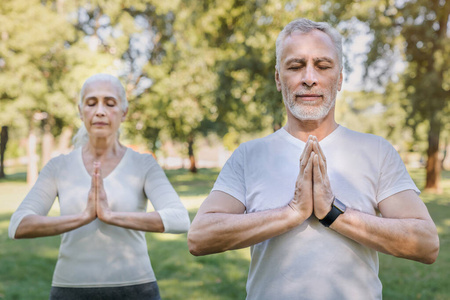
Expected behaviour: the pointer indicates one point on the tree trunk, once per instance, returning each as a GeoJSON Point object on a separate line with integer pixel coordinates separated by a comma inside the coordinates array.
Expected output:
{"type": "Point", "coordinates": [277, 126]}
{"type": "Point", "coordinates": [32, 167]}
{"type": "Point", "coordinates": [192, 167]}
{"type": "Point", "coordinates": [3, 141]}
{"type": "Point", "coordinates": [433, 163]}
{"type": "Point", "coordinates": [64, 140]}
{"type": "Point", "coordinates": [446, 157]}
{"type": "Point", "coordinates": [60, 7]}
{"type": "Point", "coordinates": [47, 145]}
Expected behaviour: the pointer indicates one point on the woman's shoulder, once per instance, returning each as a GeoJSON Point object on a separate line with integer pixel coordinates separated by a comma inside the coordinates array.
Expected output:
{"type": "Point", "coordinates": [60, 161]}
{"type": "Point", "coordinates": [140, 159]}
{"type": "Point", "coordinates": [59, 158]}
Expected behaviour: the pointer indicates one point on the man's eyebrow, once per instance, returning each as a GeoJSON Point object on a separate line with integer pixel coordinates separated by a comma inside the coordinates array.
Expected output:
{"type": "Point", "coordinates": [321, 59]}
{"type": "Point", "coordinates": [295, 60]}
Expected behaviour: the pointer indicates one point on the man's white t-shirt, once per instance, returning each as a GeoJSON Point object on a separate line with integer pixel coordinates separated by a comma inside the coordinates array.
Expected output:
{"type": "Point", "coordinates": [312, 261]}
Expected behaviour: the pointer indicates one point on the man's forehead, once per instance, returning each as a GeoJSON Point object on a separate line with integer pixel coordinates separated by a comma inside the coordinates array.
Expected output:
{"type": "Point", "coordinates": [312, 32]}
{"type": "Point", "coordinates": [101, 85]}
{"type": "Point", "coordinates": [314, 44]}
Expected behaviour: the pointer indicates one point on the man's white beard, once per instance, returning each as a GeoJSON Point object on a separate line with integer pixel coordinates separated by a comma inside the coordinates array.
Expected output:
{"type": "Point", "coordinates": [309, 111]}
{"type": "Point", "coordinates": [305, 112]}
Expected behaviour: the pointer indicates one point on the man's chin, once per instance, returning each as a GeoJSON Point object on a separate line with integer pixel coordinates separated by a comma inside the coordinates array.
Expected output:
{"type": "Point", "coordinates": [306, 113]}
{"type": "Point", "coordinates": [305, 119]}
{"type": "Point", "coordinates": [308, 116]}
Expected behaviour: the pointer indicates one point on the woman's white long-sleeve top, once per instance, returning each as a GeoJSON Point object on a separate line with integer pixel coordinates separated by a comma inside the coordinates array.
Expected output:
{"type": "Point", "coordinates": [99, 254]}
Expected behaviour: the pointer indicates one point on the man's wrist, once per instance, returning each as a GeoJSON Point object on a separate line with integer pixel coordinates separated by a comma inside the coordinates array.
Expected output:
{"type": "Point", "coordinates": [293, 216]}
{"type": "Point", "coordinates": [337, 209]}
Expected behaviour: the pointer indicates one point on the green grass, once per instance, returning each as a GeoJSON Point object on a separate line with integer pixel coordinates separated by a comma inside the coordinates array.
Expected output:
{"type": "Point", "coordinates": [26, 266]}
{"type": "Point", "coordinates": [405, 279]}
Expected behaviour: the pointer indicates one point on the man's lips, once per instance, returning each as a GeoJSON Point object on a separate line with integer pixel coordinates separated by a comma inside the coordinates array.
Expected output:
{"type": "Point", "coordinates": [99, 123]}
{"type": "Point", "coordinates": [309, 97]}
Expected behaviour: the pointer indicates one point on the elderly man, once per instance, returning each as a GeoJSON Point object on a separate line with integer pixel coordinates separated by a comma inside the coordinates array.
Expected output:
{"type": "Point", "coordinates": [314, 200]}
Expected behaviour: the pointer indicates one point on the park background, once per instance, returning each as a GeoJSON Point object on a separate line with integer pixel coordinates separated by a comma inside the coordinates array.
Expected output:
{"type": "Point", "coordinates": [199, 76]}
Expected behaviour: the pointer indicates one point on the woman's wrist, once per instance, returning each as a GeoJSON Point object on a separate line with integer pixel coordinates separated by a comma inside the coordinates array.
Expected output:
{"type": "Point", "coordinates": [106, 217]}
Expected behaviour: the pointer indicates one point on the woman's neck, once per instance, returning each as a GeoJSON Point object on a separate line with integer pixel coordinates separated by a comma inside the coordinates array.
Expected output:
{"type": "Point", "coordinates": [103, 148]}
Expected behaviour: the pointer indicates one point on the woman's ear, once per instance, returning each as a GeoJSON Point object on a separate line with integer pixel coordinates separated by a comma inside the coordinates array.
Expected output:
{"type": "Point", "coordinates": [124, 114]}
{"type": "Point", "coordinates": [79, 112]}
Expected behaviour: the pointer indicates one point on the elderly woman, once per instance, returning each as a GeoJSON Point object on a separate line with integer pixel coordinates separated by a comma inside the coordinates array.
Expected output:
{"type": "Point", "coordinates": [102, 187]}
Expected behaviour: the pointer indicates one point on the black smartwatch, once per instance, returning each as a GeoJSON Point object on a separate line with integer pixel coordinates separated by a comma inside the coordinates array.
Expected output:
{"type": "Point", "coordinates": [337, 208]}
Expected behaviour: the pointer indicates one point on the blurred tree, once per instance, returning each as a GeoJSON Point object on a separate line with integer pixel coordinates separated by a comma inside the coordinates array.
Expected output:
{"type": "Point", "coordinates": [134, 36]}
{"type": "Point", "coordinates": [217, 73]}
{"type": "Point", "coordinates": [244, 34]}
{"type": "Point", "coordinates": [418, 32]}
{"type": "Point", "coordinates": [3, 141]}
{"type": "Point", "coordinates": [188, 82]}
{"type": "Point", "coordinates": [31, 62]}
{"type": "Point", "coordinates": [192, 67]}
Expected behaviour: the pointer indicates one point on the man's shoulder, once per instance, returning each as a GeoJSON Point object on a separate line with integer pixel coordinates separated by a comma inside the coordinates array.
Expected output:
{"type": "Point", "coordinates": [361, 137]}
{"type": "Point", "coordinates": [261, 142]}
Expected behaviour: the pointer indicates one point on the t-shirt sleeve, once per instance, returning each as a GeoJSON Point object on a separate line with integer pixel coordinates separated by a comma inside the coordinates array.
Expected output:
{"type": "Point", "coordinates": [231, 179]}
{"type": "Point", "coordinates": [165, 199]}
{"type": "Point", "coordinates": [39, 199]}
{"type": "Point", "coordinates": [393, 176]}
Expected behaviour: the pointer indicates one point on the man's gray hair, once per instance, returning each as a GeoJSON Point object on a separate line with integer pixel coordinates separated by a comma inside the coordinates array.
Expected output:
{"type": "Point", "coordinates": [305, 26]}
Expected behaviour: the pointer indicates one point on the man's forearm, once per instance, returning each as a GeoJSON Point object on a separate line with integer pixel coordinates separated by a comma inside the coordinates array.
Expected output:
{"type": "Point", "coordinates": [218, 232]}
{"type": "Point", "coordinates": [414, 239]}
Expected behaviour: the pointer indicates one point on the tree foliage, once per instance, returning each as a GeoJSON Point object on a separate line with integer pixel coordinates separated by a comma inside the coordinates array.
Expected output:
{"type": "Point", "coordinates": [416, 31]}
{"type": "Point", "coordinates": [193, 67]}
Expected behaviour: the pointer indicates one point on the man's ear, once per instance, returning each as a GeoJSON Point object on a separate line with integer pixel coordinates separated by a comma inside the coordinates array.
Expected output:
{"type": "Point", "coordinates": [277, 79]}
{"type": "Point", "coordinates": [341, 78]}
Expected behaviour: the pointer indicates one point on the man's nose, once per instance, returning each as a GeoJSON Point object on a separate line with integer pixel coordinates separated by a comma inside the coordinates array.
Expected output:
{"type": "Point", "coordinates": [309, 76]}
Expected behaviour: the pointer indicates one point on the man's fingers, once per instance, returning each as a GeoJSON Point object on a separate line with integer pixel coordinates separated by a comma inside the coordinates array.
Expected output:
{"type": "Point", "coordinates": [307, 172]}
{"type": "Point", "coordinates": [322, 159]}
{"type": "Point", "coordinates": [307, 149]}
{"type": "Point", "coordinates": [323, 167]}
{"type": "Point", "coordinates": [319, 151]}
{"type": "Point", "coordinates": [316, 169]}
{"type": "Point", "coordinates": [306, 153]}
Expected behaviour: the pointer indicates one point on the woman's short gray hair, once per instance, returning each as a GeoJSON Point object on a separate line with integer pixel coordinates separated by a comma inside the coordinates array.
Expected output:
{"type": "Point", "coordinates": [305, 26]}
{"type": "Point", "coordinates": [82, 137]}
{"type": "Point", "coordinates": [101, 77]}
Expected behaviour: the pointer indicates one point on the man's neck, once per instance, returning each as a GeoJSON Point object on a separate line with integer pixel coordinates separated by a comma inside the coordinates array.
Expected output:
{"type": "Point", "coordinates": [302, 129]}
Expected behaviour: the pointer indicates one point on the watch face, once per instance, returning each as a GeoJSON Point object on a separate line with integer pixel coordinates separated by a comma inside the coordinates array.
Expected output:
{"type": "Point", "coordinates": [339, 205]}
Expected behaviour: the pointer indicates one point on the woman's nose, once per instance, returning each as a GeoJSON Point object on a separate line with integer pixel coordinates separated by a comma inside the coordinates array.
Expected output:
{"type": "Point", "coordinates": [100, 110]}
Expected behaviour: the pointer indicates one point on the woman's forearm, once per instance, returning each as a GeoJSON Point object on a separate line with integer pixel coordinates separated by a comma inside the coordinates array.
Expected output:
{"type": "Point", "coordinates": [33, 226]}
{"type": "Point", "coordinates": [144, 221]}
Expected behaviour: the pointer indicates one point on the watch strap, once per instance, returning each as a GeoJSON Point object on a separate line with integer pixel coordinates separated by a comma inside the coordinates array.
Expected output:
{"type": "Point", "coordinates": [336, 210]}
